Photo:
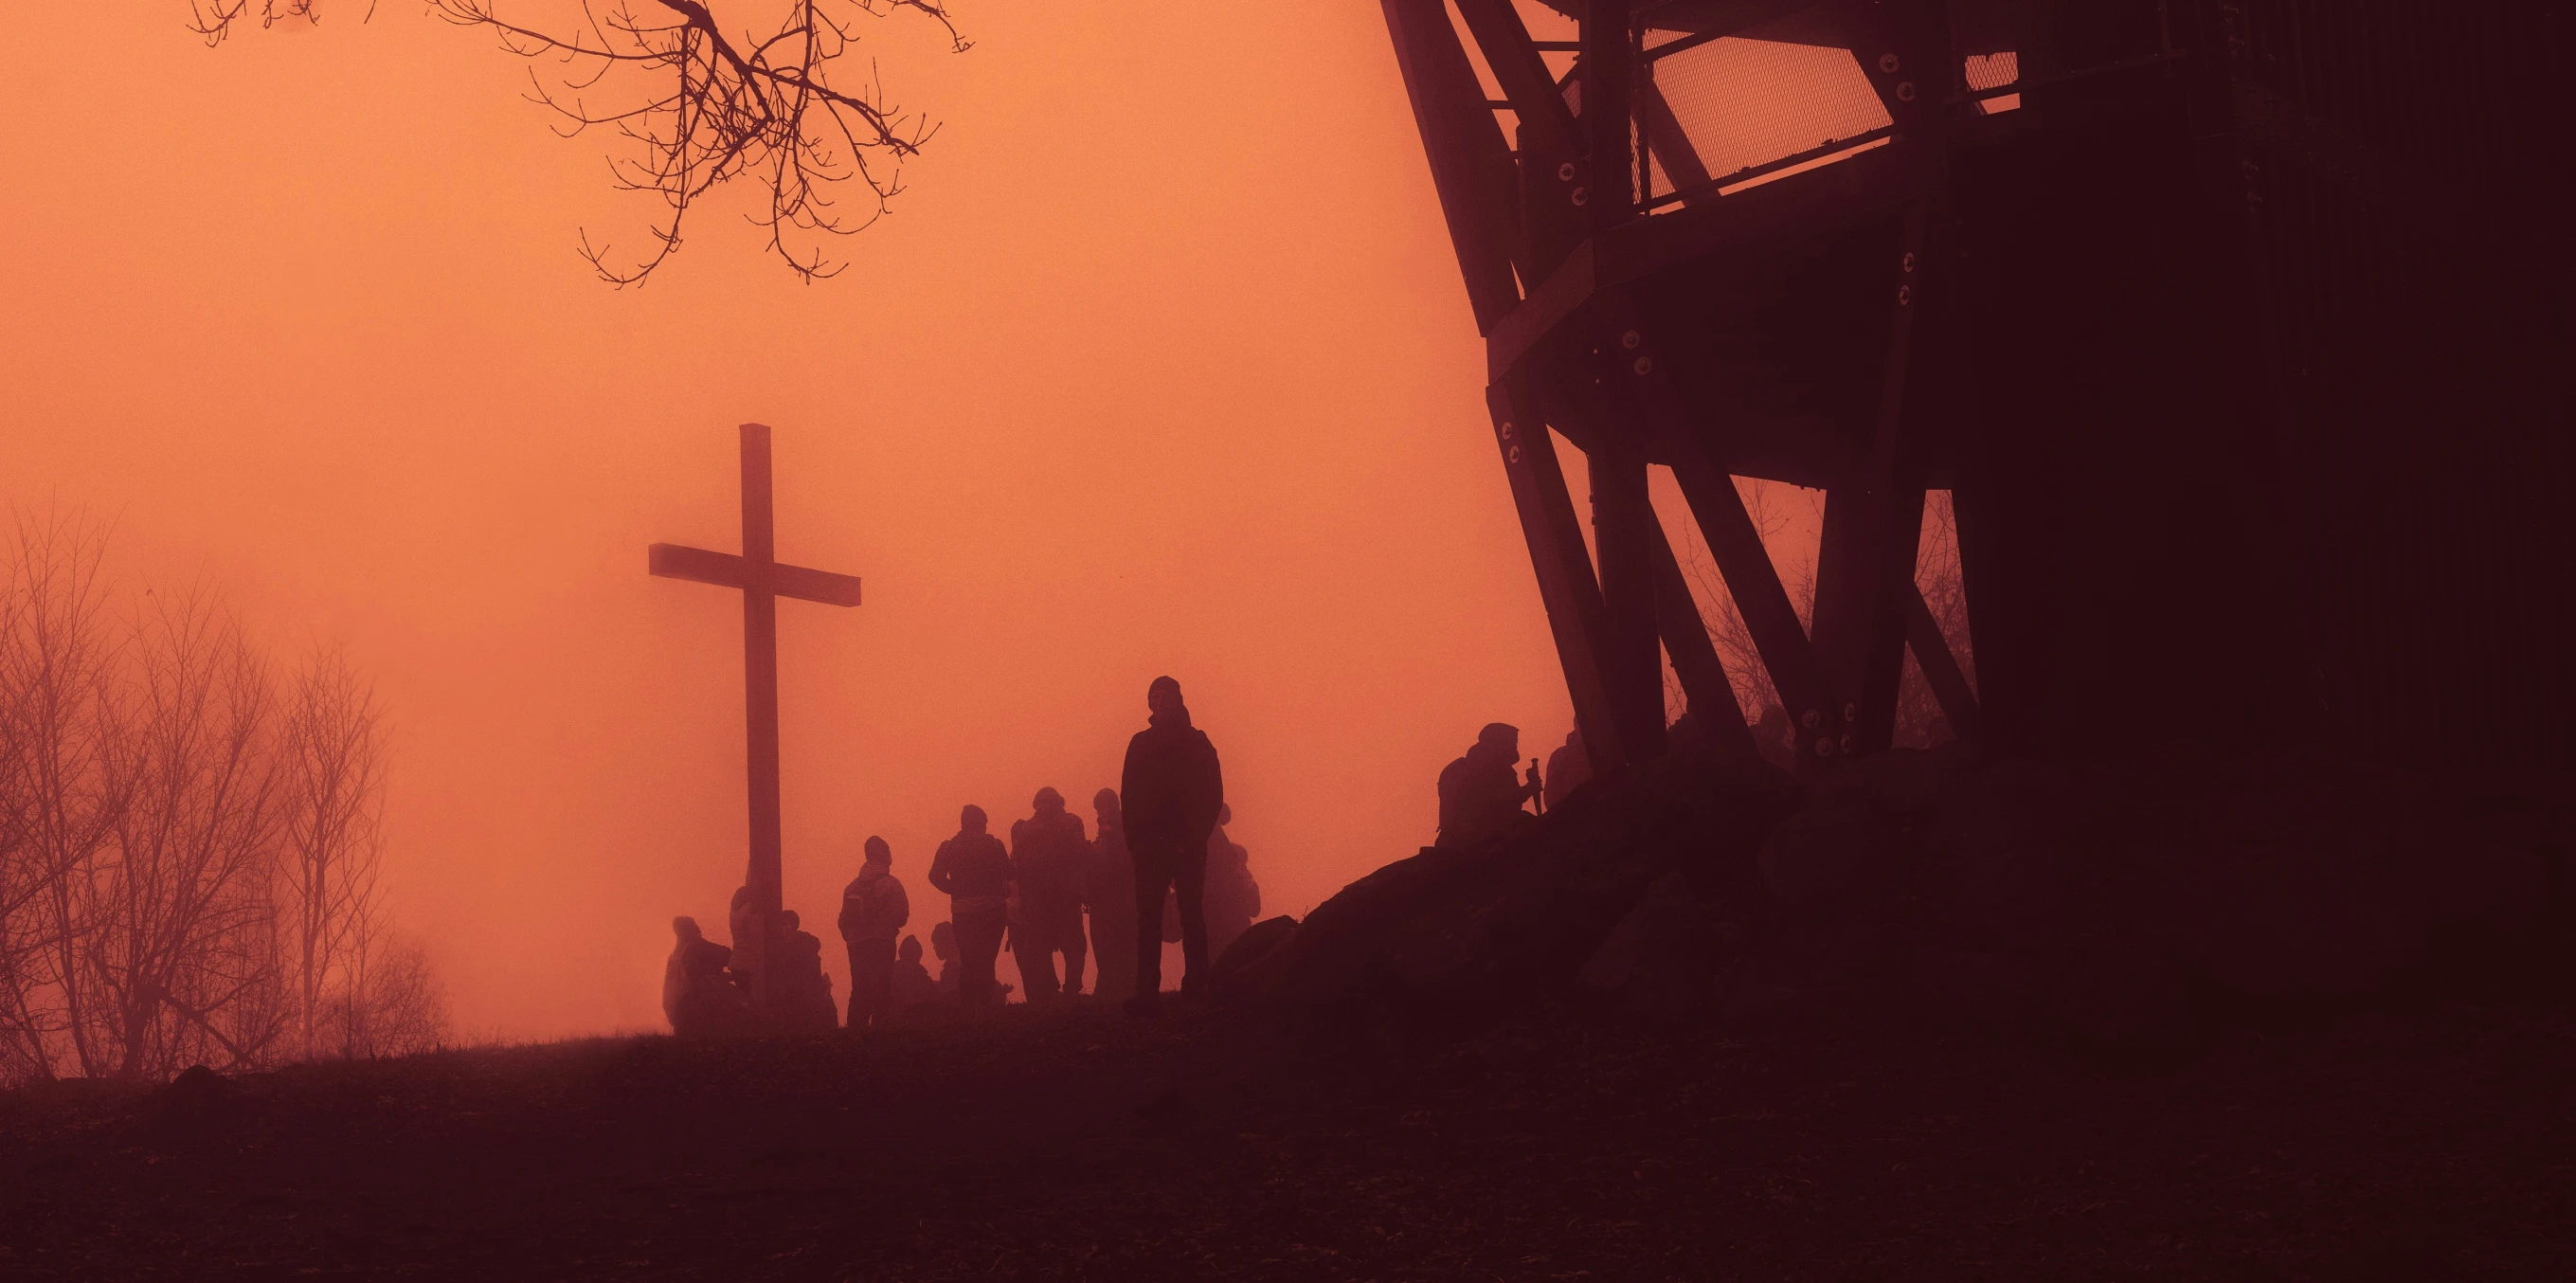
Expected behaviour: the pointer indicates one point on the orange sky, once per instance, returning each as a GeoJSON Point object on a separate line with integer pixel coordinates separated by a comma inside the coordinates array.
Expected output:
{"type": "Point", "coordinates": [1163, 365]}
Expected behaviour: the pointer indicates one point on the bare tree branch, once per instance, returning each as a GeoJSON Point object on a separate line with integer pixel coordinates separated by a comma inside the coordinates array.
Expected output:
{"type": "Point", "coordinates": [700, 108]}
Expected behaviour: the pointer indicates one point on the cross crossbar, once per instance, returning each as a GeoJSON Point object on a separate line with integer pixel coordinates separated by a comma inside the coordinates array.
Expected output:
{"type": "Point", "coordinates": [724, 569]}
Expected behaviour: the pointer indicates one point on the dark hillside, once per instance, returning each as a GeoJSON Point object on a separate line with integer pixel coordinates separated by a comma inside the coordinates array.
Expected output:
{"type": "Point", "coordinates": [2428, 1140]}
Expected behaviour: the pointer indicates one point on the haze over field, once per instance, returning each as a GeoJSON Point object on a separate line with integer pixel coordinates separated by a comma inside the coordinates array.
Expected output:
{"type": "Point", "coordinates": [1161, 365]}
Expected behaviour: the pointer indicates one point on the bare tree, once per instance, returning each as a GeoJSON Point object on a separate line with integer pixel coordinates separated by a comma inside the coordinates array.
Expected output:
{"type": "Point", "coordinates": [19, 883]}
{"type": "Point", "coordinates": [334, 840]}
{"type": "Point", "coordinates": [56, 677]}
{"type": "Point", "coordinates": [700, 102]}
{"type": "Point", "coordinates": [173, 932]}
{"type": "Point", "coordinates": [189, 856]}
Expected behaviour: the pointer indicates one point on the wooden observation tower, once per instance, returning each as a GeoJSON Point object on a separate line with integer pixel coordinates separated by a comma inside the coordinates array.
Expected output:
{"type": "Point", "coordinates": [2236, 328]}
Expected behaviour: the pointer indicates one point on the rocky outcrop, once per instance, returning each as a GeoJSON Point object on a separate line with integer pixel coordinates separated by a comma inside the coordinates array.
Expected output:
{"type": "Point", "coordinates": [1453, 935]}
{"type": "Point", "coordinates": [2119, 907]}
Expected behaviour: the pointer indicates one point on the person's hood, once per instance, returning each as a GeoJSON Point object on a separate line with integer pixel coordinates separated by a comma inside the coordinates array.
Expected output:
{"type": "Point", "coordinates": [1178, 717]}
{"type": "Point", "coordinates": [872, 872]}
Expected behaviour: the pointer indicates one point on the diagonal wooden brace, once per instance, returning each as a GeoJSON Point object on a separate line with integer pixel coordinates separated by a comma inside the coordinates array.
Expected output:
{"type": "Point", "coordinates": [1565, 582]}
{"type": "Point", "coordinates": [1471, 164]}
{"type": "Point", "coordinates": [1941, 669]}
{"type": "Point", "coordinates": [1746, 565]}
{"type": "Point", "coordinates": [1864, 578]}
{"type": "Point", "coordinates": [1713, 707]}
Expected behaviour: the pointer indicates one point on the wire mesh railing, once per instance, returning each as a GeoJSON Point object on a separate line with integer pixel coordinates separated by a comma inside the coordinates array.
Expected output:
{"type": "Point", "coordinates": [1717, 113]}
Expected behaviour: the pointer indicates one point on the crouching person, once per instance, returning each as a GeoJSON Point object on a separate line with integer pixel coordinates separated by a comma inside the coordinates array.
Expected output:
{"type": "Point", "coordinates": [697, 996]}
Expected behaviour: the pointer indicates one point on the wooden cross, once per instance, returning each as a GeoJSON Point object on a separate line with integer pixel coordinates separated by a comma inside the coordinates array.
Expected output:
{"type": "Point", "coordinates": [762, 581]}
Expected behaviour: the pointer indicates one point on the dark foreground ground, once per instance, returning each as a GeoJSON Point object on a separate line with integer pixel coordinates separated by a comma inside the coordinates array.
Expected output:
{"type": "Point", "coordinates": [2423, 1141]}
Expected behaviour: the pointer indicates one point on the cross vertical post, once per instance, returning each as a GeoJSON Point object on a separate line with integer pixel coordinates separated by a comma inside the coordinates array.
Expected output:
{"type": "Point", "coordinates": [762, 581]}
{"type": "Point", "coordinates": [760, 689]}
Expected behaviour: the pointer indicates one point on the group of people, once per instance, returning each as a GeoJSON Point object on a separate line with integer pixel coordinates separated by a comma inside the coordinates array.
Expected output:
{"type": "Point", "coordinates": [1157, 867]}
{"type": "Point", "coordinates": [712, 988]}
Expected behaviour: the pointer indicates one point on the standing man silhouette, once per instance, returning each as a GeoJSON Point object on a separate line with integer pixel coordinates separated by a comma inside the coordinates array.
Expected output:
{"type": "Point", "coordinates": [874, 910]}
{"type": "Point", "coordinates": [975, 871]}
{"type": "Point", "coordinates": [1171, 791]}
{"type": "Point", "coordinates": [1048, 852]}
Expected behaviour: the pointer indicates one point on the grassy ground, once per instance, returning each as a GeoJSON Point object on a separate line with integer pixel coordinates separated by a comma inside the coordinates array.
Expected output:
{"type": "Point", "coordinates": [2423, 1142]}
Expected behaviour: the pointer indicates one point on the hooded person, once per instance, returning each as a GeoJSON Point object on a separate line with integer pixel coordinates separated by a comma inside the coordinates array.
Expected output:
{"type": "Point", "coordinates": [1170, 793]}
{"type": "Point", "coordinates": [950, 984]}
{"type": "Point", "coordinates": [943, 946]}
{"type": "Point", "coordinates": [974, 872]}
{"type": "Point", "coordinates": [748, 942]}
{"type": "Point", "coordinates": [696, 995]}
{"type": "Point", "coordinates": [874, 910]}
{"type": "Point", "coordinates": [806, 999]}
{"type": "Point", "coordinates": [1048, 852]}
{"type": "Point", "coordinates": [1233, 898]}
{"type": "Point", "coordinates": [1481, 793]}
{"type": "Point", "coordinates": [1568, 768]}
{"type": "Point", "coordinates": [1110, 891]}
{"type": "Point", "coordinates": [909, 985]}
{"type": "Point", "coordinates": [1776, 739]}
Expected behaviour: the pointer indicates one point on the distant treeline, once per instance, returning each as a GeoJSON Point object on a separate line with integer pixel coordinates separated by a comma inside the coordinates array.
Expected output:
{"type": "Point", "coordinates": [190, 835]}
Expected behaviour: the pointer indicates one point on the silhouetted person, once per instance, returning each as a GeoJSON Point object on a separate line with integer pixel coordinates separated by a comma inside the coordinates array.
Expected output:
{"type": "Point", "coordinates": [943, 945]}
{"type": "Point", "coordinates": [952, 970]}
{"type": "Point", "coordinates": [1171, 790]}
{"type": "Point", "coordinates": [1110, 890]}
{"type": "Point", "coordinates": [873, 909]}
{"type": "Point", "coordinates": [748, 944]}
{"type": "Point", "coordinates": [1048, 852]}
{"type": "Point", "coordinates": [697, 996]}
{"type": "Point", "coordinates": [805, 1000]}
{"type": "Point", "coordinates": [1775, 738]}
{"type": "Point", "coordinates": [1687, 734]}
{"type": "Point", "coordinates": [1233, 899]}
{"type": "Point", "coordinates": [975, 872]}
{"type": "Point", "coordinates": [1568, 768]}
{"type": "Point", "coordinates": [908, 984]}
{"type": "Point", "coordinates": [1481, 793]}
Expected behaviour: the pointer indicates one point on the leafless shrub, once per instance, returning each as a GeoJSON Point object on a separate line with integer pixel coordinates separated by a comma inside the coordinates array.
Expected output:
{"type": "Point", "coordinates": [700, 102]}
{"type": "Point", "coordinates": [391, 1005]}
